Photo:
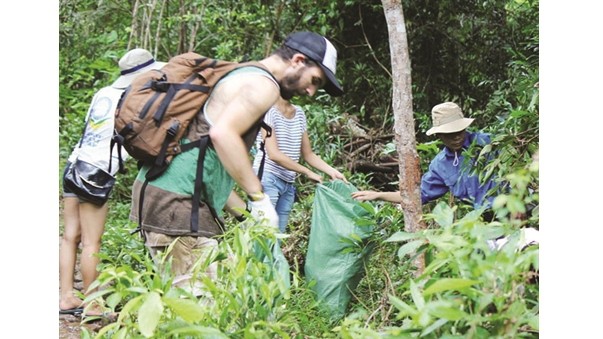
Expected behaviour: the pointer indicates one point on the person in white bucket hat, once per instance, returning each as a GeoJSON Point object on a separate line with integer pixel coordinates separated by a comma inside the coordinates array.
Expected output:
{"type": "Point", "coordinates": [133, 63]}
{"type": "Point", "coordinates": [84, 221]}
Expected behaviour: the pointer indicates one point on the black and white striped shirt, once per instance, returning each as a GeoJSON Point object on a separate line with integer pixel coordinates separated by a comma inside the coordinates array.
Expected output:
{"type": "Point", "coordinates": [288, 134]}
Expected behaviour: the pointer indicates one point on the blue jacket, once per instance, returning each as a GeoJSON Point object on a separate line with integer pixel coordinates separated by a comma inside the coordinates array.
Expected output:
{"type": "Point", "coordinates": [443, 176]}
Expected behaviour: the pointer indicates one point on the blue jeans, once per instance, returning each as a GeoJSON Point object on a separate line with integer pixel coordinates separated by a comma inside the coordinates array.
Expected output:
{"type": "Point", "coordinates": [282, 196]}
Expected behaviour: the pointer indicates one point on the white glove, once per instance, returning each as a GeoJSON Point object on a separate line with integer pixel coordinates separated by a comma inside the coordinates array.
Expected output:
{"type": "Point", "coordinates": [262, 209]}
{"type": "Point", "coordinates": [528, 236]}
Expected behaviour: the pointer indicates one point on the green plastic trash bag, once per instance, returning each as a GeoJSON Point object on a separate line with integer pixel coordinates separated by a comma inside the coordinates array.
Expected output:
{"type": "Point", "coordinates": [270, 253]}
{"type": "Point", "coordinates": [337, 247]}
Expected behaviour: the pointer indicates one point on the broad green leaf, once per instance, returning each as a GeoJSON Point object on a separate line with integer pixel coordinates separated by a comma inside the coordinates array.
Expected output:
{"type": "Point", "coordinates": [129, 307]}
{"type": "Point", "coordinates": [356, 237]}
{"type": "Point", "coordinates": [149, 314]}
{"type": "Point", "coordinates": [443, 214]}
{"type": "Point", "coordinates": [447, 312]}
{"type": "Point", "coordinates": [199, 332]}
{"type": "Point", "coordinates": [189, 310]}
{"type": "Point", "coordinates": [97, 294]}
{"type": "Point", "coordinates": [137, 290]}
{"type": "Point", "coordinates": [403, 307]}
{"type": "Point", "coordinates": [416, 295]}
{"type": "Point", "coordinates": [436, 265]}
{"type": "Point", "coordinates": [488, 232]}
{"type": "Point", "coordinates": [446, 284]}
{"type": "Point", "coordinates": [114, 299]}
{"type": "Point", "coordinates": [515, 204]}
{"type": "Point", "coordinates": [534, 322]}
{"type": "Point", "coordinates": [482, 332]}
{"type": "Point", "coordinates": [424, 318]}
{"type": "Point", "coordinates": [121, 334]}
{"type": "Point", "coordinates": [485, 150]}
{"type": "Point", "coordinates": [409, 248]}
{"type": "Point", "coordinates": [436, 324]}
{"type": "Point", "coordinates": [364, 222]}
{"type": "Point", "coordinates": [368, 207]}
{"type": "Point", "coordinates": [470, 218]}
{"type": "Point", "coordinates": [447, 242]}
{"type": "Point", "coordinates": [110, 327]}
{"type": "Point", "coordinates": [492, 166]}
{"type": "Point", "coordinates": [484, 301]}
{"type": "Point", "coordinates": [518, 113]}
{"type": "Point", "coordinates": [500, 201]}
{"type": "Point", "coordinates": [402, 236]}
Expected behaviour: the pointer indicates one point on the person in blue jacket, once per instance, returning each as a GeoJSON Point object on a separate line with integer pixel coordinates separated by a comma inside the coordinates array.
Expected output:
{"type": "Point", "coordinates": [450, 170]}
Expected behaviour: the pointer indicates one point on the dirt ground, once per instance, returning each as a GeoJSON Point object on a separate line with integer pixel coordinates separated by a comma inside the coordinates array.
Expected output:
{"type": "Point", "coordinates": [70, 326]}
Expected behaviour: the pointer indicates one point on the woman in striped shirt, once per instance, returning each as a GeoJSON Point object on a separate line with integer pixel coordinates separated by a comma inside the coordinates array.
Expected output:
{"type": "Point", "coordinates": [289, 143]}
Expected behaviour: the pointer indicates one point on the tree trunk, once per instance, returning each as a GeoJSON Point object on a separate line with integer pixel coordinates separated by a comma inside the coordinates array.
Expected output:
{"type": "Point", "coordinates": [134, 28]}
{"type": "Point", "coordinates": [404, 126]}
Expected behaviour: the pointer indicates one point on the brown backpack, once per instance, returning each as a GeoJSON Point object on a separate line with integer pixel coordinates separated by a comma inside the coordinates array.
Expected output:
{"type": "Point", "coordinates": [155, 110]}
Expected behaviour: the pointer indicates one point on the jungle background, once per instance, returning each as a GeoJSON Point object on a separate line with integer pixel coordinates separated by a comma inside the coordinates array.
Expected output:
{"type": "Point", "coordinates": [482, 55]}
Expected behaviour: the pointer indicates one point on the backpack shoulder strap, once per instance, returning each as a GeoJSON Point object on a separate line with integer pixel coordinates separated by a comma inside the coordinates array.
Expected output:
{"type": "Point", "coordinates": [268, 129]}
{"type": "Point", "coordinates": [255, 64]}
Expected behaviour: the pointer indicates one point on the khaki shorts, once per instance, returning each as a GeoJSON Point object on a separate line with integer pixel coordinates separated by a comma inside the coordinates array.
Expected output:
{"type": "Point", "coordinates": [188, 255]}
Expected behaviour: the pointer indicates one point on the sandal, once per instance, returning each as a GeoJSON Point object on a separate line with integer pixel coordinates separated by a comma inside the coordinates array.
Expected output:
{"type": "Point", "coordinates": [72, 311]}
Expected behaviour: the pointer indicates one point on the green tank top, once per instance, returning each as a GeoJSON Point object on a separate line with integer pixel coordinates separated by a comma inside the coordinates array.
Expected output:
{"type": "Point", "coordinates": [179, 178]}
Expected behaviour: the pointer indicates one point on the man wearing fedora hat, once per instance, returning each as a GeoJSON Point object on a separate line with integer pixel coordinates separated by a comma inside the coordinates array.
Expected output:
{"type": "Point", "coordinates": [301, 66]}
{"type": "Point", "coordinates": [449, 170]}
{"type": "Point", "coordinates": [83, 220]}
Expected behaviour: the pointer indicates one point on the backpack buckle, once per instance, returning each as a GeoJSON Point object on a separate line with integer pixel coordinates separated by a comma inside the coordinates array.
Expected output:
{"type": "Point", "coordinates": [160, 86]}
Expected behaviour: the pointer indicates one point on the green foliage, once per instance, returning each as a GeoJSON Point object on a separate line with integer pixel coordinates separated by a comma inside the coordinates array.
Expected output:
{"type": "Point", "coordinates": [467, 288]}
{"type": "Point", "coordinates": [76, 90]}
{"type": "Point", "coordinates": [247, 298]}
{"type": "Point", "coordinates": [323, 118]}
{"type": "Point", "coordinates": [119, 245]}
{"type": "Point", "coordinates": [482, 55]}
{"type": "Point", "coordinates": [470, 289]}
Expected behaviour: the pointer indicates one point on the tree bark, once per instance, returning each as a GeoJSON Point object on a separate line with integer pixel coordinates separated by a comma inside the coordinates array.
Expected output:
{"type": "Point", "coordinates": [134, 27]}
{"type": "Point", "coordinates": [404, 125]}
{"type": "Point", "coordinates": [159, 24]}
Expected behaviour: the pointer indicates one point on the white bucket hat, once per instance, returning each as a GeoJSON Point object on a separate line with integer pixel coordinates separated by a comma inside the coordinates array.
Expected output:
{"type": "Point", "coordinates": [447, 117]}
{"type": "Point", "coordinates": [136, 61]}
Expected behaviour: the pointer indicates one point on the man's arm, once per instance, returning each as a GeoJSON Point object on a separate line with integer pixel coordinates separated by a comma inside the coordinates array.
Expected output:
{"type": "Point", "coordinates": [235, 205]}
{"type": "Point", "coordinates": [237, 105]}
{"type": "Point", "coordinates": [374, 195]}
{"type": "Point", "coordinates": [432, 186]}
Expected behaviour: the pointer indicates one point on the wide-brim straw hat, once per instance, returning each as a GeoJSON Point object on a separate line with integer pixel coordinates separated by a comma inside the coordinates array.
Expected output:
{"type": "Point", "coordinates": [133, 63]}
{"type": "Point", "coordinates": [447, 117]}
